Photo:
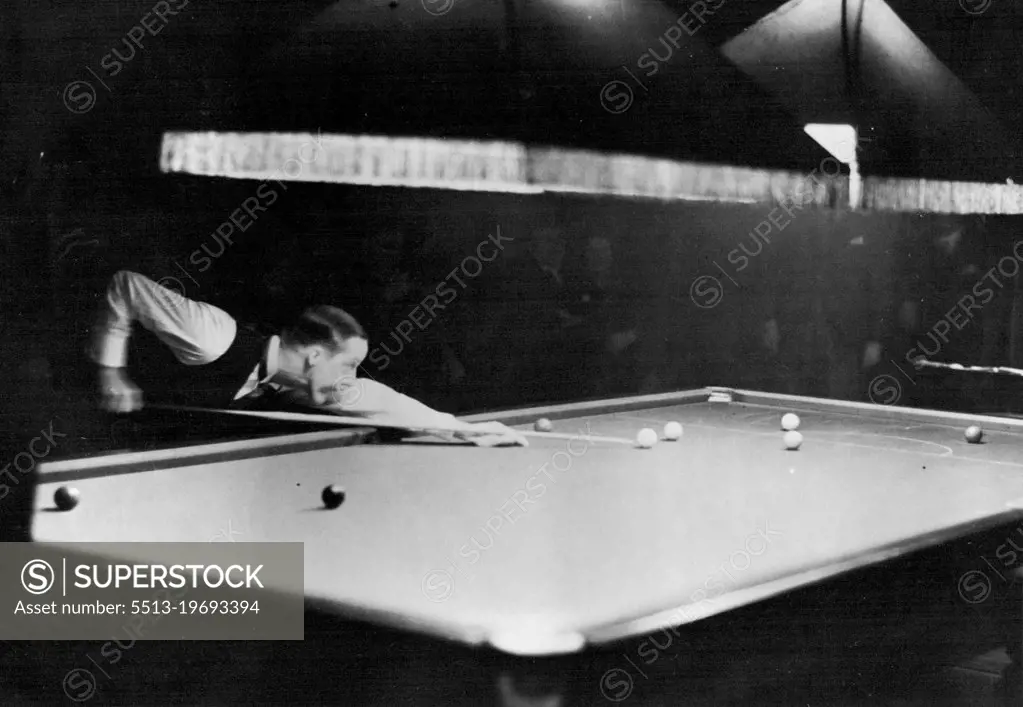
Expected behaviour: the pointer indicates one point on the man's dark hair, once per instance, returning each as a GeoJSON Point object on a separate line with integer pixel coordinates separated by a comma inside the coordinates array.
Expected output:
{"type": "Point", "coordinates": [325, 326]}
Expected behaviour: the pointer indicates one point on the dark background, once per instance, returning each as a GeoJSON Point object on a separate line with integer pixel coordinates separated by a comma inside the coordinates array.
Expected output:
{"type": "Point", "coordinates": [937, 107]}
{"type": "Point", "coordinates": [833, 280]}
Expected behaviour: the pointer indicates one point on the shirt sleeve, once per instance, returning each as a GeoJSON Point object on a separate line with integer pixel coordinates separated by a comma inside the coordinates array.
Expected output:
{"type": "Point", "coordinates": [379, 403]}
{"type": "Point", "coordinates": [196, 332]}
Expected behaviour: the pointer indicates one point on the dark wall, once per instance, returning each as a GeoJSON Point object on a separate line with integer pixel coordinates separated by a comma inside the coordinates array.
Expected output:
{"type": "Point", "coordinates": [649, 296]}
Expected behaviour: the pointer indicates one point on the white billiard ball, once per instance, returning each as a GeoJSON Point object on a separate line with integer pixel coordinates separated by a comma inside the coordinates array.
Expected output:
{"type": "Point", "coordinates": [673, 431]}
{"type": "Point", "coordinates": [793, 439]}
{"type": "Point", "coordinates": [790, 422]}
{"type": "Point", "coordinates": [646, 438]}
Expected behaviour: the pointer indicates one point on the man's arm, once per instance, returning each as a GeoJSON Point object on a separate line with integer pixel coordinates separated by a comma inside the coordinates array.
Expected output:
{"type": "Point", "coordinates": [196, 332]}
{"type": "Point", "coordinates": [376, 402]}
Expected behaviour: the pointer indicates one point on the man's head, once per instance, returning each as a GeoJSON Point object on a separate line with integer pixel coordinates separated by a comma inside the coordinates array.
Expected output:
{"type": "Point", "coordinates": [321, 352]}
{"type": "Point", "coordinates": [949, 241]}
{"type": "Point", "coordinates": [599, 256]}
{"type": "Point", "coordinates": [548, 247]}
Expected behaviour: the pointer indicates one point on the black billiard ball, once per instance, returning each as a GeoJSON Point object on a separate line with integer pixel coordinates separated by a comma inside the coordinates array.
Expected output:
{"type": "Point", "coordinates": [333, 496]}
{"type": "Point", "coordinates": [66, 498]}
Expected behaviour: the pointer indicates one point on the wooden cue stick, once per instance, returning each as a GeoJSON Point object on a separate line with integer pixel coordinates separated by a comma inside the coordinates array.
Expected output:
{"type": "Point", "coordinates": [363, 422]}
{"type": "Point", "coordinates": [924, 363]}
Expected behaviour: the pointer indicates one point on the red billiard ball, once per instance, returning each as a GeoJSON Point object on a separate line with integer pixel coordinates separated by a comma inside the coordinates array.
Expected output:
{"type": "Point", "coordinates": [543, 425]}
{"type": "Point", "coordinates": [333, 496]}
{"type": "Point", "coordinates": [974, 434]}
{"type": "Point", "coordinates": [66, 498]}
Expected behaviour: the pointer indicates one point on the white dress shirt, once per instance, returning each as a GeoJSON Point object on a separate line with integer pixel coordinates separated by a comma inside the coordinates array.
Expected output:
{"type": "Point", "coordinates": [199, 333]}
{"type": "Point", "coordinates": [195, 332]}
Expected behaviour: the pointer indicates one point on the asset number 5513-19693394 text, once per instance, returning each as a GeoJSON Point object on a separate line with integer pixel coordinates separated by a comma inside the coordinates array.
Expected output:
{"type": "Point", "coordinates": [204, 608]}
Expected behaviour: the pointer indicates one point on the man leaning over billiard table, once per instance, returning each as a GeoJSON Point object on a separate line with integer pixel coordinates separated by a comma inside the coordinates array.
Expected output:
{"type": "Point", "coordinates": [197, 354]}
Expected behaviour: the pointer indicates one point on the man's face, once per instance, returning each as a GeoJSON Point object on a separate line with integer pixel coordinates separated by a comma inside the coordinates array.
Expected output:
{"type": "Point", "coordinates": [599, 257]}
{"type": "Point", "coordinates": [331, 379]}
{"type": "Point", "coordinates": [548, 246]}
{"type": "Point", "coordinates": [949, 243]}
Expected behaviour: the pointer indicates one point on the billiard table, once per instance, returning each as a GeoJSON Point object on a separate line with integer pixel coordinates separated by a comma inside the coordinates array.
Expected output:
{"type": "Point", "coordinates": [578, 540]}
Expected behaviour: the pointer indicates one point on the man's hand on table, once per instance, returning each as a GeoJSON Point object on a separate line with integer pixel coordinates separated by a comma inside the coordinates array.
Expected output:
{"type": "Point", "coordinates": [117, 392]}
{"type": "Point", "coordinates": [493, 434]}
